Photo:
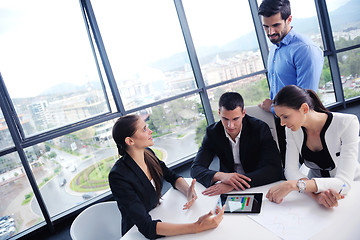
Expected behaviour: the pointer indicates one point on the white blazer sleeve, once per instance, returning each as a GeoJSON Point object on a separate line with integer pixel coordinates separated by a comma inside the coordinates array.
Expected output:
{"type": "Point", "coordinates": [347, 162]}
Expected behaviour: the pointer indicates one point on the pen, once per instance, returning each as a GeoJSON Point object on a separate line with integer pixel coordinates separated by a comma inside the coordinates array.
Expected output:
{"type": "Point", "coordinates": [342, 188]}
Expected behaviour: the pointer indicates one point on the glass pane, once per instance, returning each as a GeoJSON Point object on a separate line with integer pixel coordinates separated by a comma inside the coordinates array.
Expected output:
{"type": "Point", "coordinates": [5, 137]}
{"type": "Point", "coordinates": [345, 22]}
{"type": "Point", "coordinates": [74, 167]}
{"type": "Point", "coordinates": [178, 128]}
{"type": "Point", "coordinates": [305, 20]}
{"type": "Point", "coordinates": [47, 64]}
{"type": "Point", "coordinates": [349, 64]}
{"type": "Point", "coordinates": [146, 49]}
{"type": "Point", "coordinates": [16, 196]}
{"type": "Point", "coordinates": [326, 89]}
{"type": "Point", "coordinates": [253, 89]}
{"type": "Point", "coordinates": [224, 37]}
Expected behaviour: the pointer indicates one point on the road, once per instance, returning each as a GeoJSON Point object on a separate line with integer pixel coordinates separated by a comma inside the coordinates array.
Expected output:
{"type": "Point", "coordinates": [176, 148]}
{"type": "Point", "coordinates": [60, 198]}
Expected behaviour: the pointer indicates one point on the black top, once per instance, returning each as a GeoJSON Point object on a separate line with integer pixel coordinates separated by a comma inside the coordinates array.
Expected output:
{"type": "Point", "coordinates": [135, 195]}
{"type": "Point", "coordinates": [259, 154]}
{"type": "Point", "coordinates": [319, 160]}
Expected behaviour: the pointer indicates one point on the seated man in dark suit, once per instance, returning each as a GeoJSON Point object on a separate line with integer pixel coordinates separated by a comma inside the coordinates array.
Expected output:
{"type": "Point", "coordinates": [245, 147]}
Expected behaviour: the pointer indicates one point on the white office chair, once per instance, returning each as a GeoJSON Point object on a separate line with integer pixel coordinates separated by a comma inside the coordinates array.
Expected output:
{"type": "Point", "coordinates": [99, 221]}
{"type": "Point", "coordinates": [265, 116]}
{"type": "Point", "coordinates": [359, 150]}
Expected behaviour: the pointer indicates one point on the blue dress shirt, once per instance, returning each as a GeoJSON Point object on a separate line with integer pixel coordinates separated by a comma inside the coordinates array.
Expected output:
{"type": "Point", "coordinates": [295, 61]}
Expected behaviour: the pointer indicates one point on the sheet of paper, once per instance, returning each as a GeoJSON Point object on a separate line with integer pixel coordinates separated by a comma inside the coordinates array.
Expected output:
{"type": "Point", "coordinates": [294, 218]}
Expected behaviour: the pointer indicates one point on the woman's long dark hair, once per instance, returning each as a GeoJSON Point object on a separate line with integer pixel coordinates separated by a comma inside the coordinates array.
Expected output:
{"type": "Point", "coordinates": [293, 97]}
{"type": "Point", "coordinates": [125, 127]}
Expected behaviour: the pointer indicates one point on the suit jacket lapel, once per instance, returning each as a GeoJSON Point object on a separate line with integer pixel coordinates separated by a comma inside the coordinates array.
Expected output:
{"type": "Point", "coordinates": [243, 142]}
{"type": "Point", "coordinates": [225, 144]}
{"type": "Point", "coordinates": [140, 175]}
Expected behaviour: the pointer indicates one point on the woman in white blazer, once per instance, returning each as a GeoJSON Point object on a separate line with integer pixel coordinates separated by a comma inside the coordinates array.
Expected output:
{"type": "Point", "coordinates": [326, 142]}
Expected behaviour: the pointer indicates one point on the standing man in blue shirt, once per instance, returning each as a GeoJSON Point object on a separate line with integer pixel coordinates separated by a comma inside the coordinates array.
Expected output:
{"type": "Point", "coordinates": [293, 59]}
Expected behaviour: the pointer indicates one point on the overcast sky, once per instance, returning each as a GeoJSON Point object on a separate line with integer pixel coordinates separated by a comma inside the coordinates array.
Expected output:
{"type": "Point", "coordinates": [44, 43]}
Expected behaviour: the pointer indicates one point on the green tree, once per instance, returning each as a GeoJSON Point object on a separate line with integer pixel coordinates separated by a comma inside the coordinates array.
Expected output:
{"type": "Point", "coordinates": [200, 108]}
{"type": "Point", "coordinates": [157, 121]}
{"type": "Point", "coordinates": [254, 93]}
{"type": "Point", "coordinates": [200, 132]}
{"type": "Point", "coordinates": [325, 76]}
{"type": "Point", "coordinates": [52, 155]}
{"type": "Point", "coordinates": [183, 111]}
{"type": "Point", "coordinates": [349, 93]}
{"type": "Point", "coordinates": [7, 164]}
{"type": "Point", "coordinates": [47, 148]}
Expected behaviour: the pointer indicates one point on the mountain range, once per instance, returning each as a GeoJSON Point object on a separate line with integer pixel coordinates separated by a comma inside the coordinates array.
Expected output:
{"type": "Point", "coordinates": [249, 42]}
{"type": "Point", "coordinates": [246, 42]}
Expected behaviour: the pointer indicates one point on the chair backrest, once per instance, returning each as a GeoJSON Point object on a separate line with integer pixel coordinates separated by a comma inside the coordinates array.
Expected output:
{"type": "Point", "coordinates": [99, 221]}
{"type": "Point", "coordinates": [265, 116]}
{"type": "Point", "coordinates": [359, 151]}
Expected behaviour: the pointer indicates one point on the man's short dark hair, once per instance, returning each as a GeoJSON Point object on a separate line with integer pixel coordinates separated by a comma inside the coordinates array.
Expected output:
{"type": "Point", "coordinates": [231, 100]}
{"type": "Point", "coordinates": [269, 8]}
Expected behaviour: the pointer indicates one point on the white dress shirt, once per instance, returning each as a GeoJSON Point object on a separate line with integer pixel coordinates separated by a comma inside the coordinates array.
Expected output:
{"type": "Point", "coordinates": [235, 147]}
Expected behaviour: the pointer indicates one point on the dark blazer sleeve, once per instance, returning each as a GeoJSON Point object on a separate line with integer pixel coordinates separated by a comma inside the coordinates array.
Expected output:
{"type": "Point", "coordinates": [126, 192]}
{"type": "Point", "coordinates": [200, 167]}
{"type": "Point", "coordinates": [169, 175]}
{"type": "Point", "coordinates": [262, 155]}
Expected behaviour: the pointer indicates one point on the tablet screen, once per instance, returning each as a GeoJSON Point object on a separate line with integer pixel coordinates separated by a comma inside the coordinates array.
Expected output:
{"type": "Point", "coordinates": [242, 202]}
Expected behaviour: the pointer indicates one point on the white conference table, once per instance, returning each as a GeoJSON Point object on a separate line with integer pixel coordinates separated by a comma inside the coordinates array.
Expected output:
{"type": "Point", "coordinates": [342, 222]}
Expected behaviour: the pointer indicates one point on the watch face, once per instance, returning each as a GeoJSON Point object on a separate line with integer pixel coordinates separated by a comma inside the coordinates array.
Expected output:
{"type": "Point", "coordinates": [301, 185]}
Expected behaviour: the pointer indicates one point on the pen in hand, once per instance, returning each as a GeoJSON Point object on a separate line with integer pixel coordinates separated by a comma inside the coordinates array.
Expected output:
{"type": "Point", "coordinates": [342, 188]}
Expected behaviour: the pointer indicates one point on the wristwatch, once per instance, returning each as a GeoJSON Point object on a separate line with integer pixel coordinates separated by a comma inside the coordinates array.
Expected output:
{"type": "Point", "coordinates": [301, 184]}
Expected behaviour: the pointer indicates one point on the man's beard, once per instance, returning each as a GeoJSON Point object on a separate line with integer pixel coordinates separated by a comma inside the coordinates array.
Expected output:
{"type": "Point", "coordinates": [275, 40]}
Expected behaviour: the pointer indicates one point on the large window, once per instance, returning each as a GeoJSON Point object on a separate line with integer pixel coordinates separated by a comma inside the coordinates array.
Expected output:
{"type": "Point", "coordinates": [224, 38]}
{"type": "Point", "coordinates": [349, 63]}
{"type": "Point", "coordinates": [16, 196]}
{"type": "Point", "coordinates": [346, 33]}
{"type": "Point", "coordinates": [69, 69]}
{"type": "Point", "coordinates": [175, 127]}
{"type": "Point", "coordinates": [47, 64]}
{"type": "Point", "coordinates": [305, 20]}
{"type": "Point", "coordinates": [146, 49]}
{"type": "Point", "coordinates": [345, 22]}
{"type": "Point", "coordinates": [74, 167]}
{"type": "Point", "coordinates": [253, 89]}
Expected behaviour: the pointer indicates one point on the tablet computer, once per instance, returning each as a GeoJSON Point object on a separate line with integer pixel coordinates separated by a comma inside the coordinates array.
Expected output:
{"type": "Point", "coordinates": [241, 202]}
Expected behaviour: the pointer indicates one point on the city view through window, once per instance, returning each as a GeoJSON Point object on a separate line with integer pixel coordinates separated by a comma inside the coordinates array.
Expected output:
{"type": "Point", "coordinates": [53, 80]}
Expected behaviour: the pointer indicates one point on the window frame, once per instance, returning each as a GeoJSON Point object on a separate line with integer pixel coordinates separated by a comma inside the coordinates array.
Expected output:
{"type": "Point", "coordinates": [21, 141]}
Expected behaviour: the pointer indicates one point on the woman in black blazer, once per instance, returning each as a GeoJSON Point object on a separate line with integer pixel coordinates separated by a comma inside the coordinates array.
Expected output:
{"type": "Point", "coordinates": [136, 181]}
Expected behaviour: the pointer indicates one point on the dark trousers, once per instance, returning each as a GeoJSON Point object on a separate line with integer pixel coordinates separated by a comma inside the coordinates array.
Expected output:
{"type": "Point", "coordinates": [281, 139]}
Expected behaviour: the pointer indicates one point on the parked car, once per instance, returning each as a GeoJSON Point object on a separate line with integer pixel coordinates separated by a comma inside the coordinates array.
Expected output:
{"type": "Point", "coordinates": [4, 217]}
{"type": "Point", "coordinates": [73, 168]}
{"type": "Point", "coordinates": [7, 227]}
{"type": "Point", "coordinates": [6, 233]}
{"type": "Point", "coordinates": [62, 182]}
{"type": "Point", "coordinates": [88, 195]}
{"type": "Point", "coordinates": [7, 222]}
{"type": "Point", "coordinates": [3, 234]}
